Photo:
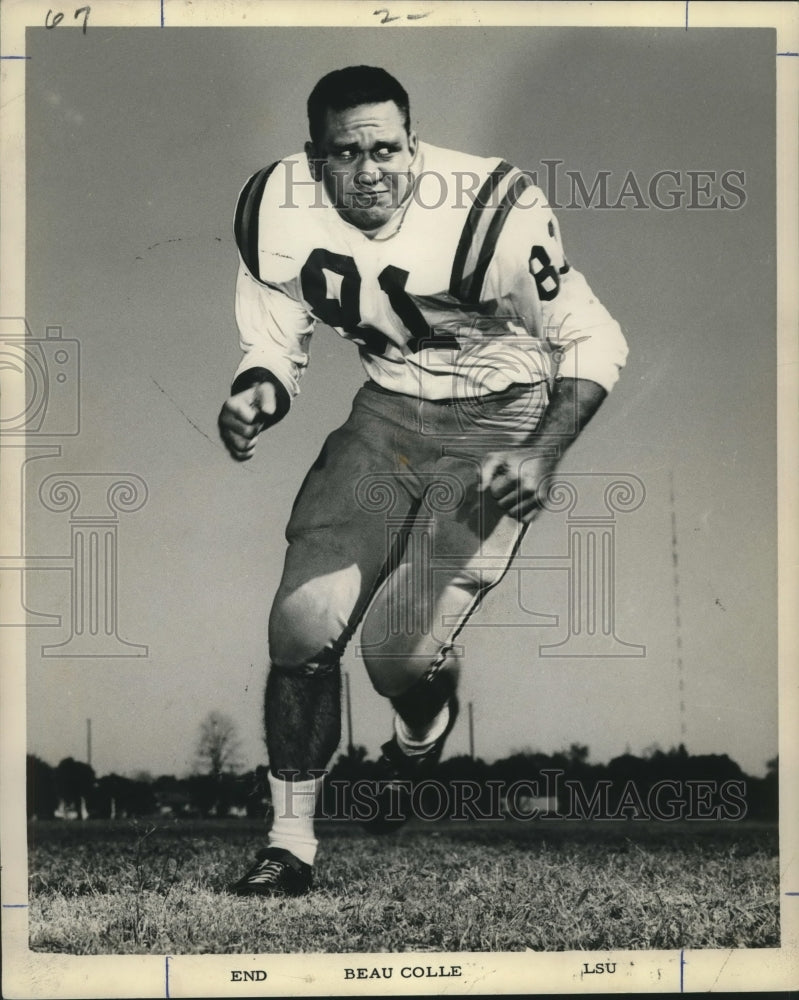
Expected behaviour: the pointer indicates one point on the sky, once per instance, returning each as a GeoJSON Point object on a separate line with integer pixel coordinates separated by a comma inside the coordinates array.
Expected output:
{"type": "Point", "coordinates": [138, 141]}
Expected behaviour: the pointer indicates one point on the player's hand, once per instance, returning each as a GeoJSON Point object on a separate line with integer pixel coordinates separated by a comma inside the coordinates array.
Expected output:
{"type": "Point", "coordinates": [514, 479]}
{"type": "Point", "coordinates": [243, 416]}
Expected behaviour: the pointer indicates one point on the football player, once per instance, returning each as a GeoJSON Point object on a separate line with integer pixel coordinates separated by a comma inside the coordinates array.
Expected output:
{"type": "Point", "coordinates": [485, 354]}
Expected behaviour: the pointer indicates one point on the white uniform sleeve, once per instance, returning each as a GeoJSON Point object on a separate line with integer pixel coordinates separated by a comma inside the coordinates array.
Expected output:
{"type": "Point", "coordinates": [274, 330]}
{"type": "Point", "coordinates": [553, 299]}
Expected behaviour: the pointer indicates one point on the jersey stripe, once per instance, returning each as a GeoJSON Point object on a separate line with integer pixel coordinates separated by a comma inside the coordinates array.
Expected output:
{"type": "Point", "coordinates": [520, 183]}
{"type": "Point", "coordinates": [245, 225]}
{"type": "Point", "coordinates": [459, 285]}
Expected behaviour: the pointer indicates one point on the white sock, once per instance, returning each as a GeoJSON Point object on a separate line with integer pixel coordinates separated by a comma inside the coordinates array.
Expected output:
{"type": "Point", "coordinates": [294, 804]}
{"type": "Point", "coordinates": [412, 741]}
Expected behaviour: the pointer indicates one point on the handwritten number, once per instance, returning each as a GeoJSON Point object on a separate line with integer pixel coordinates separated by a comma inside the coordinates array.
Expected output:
{"type": "Point", "coordinates": [53, 20]}
{"type": "Point", "coordinates": [85, 11]}
{"type": "Point", "coordinates": [387, 18]}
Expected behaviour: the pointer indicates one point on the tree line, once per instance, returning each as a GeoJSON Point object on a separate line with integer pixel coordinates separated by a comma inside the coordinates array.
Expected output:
{"type": "Point", "coordinates": [572, 786]}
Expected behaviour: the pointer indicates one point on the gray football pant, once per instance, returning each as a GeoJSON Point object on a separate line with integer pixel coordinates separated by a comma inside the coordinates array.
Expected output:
{"type": "Point", "coordinates": [390, 527]}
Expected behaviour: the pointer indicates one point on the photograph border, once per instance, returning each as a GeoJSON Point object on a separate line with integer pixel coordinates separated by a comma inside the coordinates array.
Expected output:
{"type": "Point", "coordinates": [31, 974]}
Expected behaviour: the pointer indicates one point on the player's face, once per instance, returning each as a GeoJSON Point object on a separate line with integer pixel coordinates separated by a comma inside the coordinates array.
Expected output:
{"type": "Point", "coordinates": [363, 159]}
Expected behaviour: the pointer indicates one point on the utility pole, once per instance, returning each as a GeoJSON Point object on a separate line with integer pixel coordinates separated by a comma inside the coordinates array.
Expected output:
{"type": "Point", "coordinates": [350, 744]}
{"type": "Point", "coordinates": [89, 742]}
{"type": "Point", "coordinates": [471, 730]}
{"type": "Point", "coordinates": [675, 562]}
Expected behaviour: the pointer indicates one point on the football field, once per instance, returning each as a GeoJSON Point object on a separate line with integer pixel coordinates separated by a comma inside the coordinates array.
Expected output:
{"type": "Point", "coordinates": [155, 887]}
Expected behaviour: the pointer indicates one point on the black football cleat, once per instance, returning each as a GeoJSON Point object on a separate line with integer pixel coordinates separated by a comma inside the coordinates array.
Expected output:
{"type": "Point", "coordinates": [397, 773]}
{"type": "Point", "coordinates": [277, 873]}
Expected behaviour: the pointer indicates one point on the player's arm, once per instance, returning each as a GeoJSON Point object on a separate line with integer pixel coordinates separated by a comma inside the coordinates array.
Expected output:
{"type": "Point", "coordinates": [516, 478]}
{"type": "Point", "coordinates": [249, 410]}
{"type": "Point", "coordinates": [556, 301]}
{"type": "Point", "coordinates": [588, 350]}
{"type": "Point", "coordinates": [274, 330]}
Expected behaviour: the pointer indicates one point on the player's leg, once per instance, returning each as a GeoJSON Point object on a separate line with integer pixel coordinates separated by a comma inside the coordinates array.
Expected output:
{"type": "Point", "coordinates": [309, 625]}
{"type": "Point", "coordinates": [338, 548]}
{"type": "Point", "coordinates": [409, 632]}
{"type": "Point", "coordinates": [327, 580]}
{"type": "Point", "coordinates": [302, 715]}
{"type": "Point", "coordinates": [460, 544]}
{"type": "Point", "coordinates": [456, 553]}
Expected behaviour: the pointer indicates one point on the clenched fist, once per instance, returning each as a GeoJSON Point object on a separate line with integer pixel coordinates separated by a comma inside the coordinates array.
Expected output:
{"type": "Point", "coordinates": [243, 417]}
{"type": "Point", "coordinates": [515, 480]}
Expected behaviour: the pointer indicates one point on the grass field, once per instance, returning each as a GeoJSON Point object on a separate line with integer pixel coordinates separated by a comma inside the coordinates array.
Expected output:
{"type": "Point", "coordinates": [155, 887]}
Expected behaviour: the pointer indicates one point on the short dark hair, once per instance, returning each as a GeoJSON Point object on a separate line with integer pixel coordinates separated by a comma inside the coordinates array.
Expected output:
{"type": "Point", "coordinates": [350, 87]}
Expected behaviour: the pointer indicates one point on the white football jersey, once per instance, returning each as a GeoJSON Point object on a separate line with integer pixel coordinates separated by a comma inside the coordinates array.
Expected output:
{"type": "Point", "coordinates": [464, 291]}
